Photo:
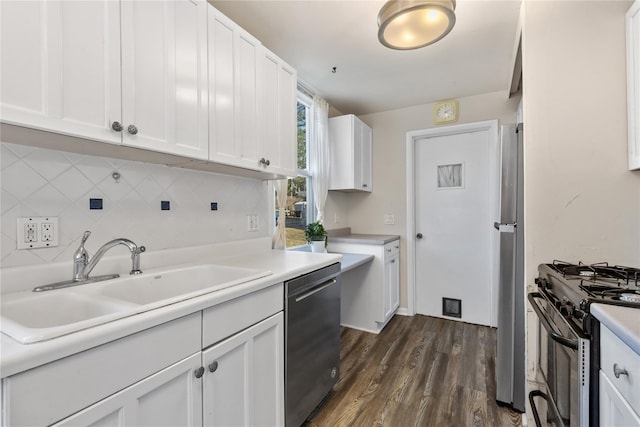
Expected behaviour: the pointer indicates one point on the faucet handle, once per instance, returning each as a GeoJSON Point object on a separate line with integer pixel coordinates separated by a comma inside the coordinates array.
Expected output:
{"type": "Point", "coordinates": [85, 236]}
{"type": "Point", "coordinates": [81, 253]}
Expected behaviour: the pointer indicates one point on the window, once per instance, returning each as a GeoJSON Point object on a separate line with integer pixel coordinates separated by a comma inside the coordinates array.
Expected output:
{"type": "Point", "coordinates": [299, 209]}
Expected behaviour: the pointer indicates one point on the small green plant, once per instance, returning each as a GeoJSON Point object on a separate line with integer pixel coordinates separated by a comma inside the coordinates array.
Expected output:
{"type": "Point", "coordinates": [315, 232]}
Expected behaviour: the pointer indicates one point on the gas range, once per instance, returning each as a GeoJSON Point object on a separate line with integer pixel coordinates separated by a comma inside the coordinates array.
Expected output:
{"type": "Point", "coordinates": [572, 288]}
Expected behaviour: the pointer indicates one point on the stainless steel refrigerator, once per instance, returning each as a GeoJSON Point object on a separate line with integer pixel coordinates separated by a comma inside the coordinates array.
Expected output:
{"type": "Point", "coordinates": [510, 360]}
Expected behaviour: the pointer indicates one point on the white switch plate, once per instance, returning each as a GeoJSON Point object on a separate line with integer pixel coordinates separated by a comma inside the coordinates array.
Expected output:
{"type": "Point", "coordinates": [37, 232]}
{"type": "Point", "coordinates": [336, 218]}
{"type": "Point", "coordinates": [252, 223]}
{"type": "Point", "coordinates": [389, 219]}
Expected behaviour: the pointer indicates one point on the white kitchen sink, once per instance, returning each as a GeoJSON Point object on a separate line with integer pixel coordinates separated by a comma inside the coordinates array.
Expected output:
{"type": "Point", "coordinates": [30, 317]}
{"type": "Point", "coordinates": [176, 285]}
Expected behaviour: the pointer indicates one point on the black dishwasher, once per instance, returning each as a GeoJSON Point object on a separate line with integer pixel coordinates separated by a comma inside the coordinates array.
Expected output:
{"type": "Point", "coordinates": [312, 341]}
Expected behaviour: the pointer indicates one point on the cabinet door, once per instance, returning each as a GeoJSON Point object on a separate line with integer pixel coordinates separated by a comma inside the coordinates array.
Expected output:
{"type": "Point", "coordinates": [172, 397]}
{"type": "Point", "coordinates": [248, 57]}
{"type": "Point", "coordinates": [164, 76]}
{"type": "Point", "coordinates": [391, 297]}
{"type": "Point", "coordinates": [614, 409]}
{"type": "Point", "coordinates": [365, 159]}
{"type": "Point", "coordinates": [278, 142]}
{"type": "Point", "coordinates": [244, 377]}
{"type": "Point", "coordinates": [222, 128]}
{"type": "Point", "coordinates": [60, 66]}
{"type": "Point", "coordinates": [235, 60]}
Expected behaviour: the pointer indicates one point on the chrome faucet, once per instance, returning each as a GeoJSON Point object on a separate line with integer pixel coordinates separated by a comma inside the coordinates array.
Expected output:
{"type": "Point", "coordinates": [82, 266]}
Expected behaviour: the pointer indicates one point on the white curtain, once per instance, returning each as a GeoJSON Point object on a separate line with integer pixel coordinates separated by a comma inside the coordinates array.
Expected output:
{"type": "Point", "coordinates": [280, 236]}
{"type": "Point", "coordinates": [319, 154]}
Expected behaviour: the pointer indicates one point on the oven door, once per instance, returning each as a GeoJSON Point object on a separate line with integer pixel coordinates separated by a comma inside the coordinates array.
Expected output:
{"type": "Point", "coordinates": [563, 359]}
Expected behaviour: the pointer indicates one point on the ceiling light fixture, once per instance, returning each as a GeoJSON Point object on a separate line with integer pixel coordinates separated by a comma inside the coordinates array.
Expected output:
{"type": "Point", "coordinates": [412, 24]}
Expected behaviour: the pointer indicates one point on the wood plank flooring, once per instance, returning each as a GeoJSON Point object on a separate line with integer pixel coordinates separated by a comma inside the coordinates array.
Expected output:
{"type": "Point", "coordinates": [420, 371]}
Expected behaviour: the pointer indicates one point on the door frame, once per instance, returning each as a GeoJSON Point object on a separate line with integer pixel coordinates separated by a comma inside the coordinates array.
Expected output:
{"type": "Point", "coordinates": [412, 138]}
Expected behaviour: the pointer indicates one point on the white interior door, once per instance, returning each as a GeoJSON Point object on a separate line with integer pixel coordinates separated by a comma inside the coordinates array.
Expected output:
{"type": "Point", "coordinates": [454, 205]}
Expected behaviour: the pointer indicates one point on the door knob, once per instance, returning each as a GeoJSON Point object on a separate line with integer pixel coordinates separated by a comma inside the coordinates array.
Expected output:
{"type": "Point", "coordinates": [419, 236]}
{"type": "Point", "coordinates": [132, 129]}
{"type": "Point", "coordinates": [116, 126]}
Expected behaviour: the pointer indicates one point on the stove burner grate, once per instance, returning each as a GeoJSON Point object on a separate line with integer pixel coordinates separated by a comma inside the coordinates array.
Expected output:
{"type": "Point", "coordinates": [599, 272]}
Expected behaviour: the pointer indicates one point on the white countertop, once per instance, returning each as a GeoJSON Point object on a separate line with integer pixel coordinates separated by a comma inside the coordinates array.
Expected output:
{"type": "Point", "coordinates": [622, 321]}
{"type": "Point", "coordinates": [285, 265]}
{"type": "Point", "coordinates": [366, 239]}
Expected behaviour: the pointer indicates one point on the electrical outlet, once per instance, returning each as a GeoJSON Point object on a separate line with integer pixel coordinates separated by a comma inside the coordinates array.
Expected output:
{"type": "Point", "coordinates": [30, 233]}
{"type": "Point", "coordinates": [389, 219]}
{"type": "Point", "coordinates": [336, 218]}
{"type": "Point", "coordinates": [37, 232]}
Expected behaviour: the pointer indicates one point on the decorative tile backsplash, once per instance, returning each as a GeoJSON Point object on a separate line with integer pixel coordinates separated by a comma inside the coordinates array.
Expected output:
{"type": "Point", "coordinates": [40, 182]}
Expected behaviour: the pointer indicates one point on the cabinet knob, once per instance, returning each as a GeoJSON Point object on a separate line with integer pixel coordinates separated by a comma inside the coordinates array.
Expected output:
{"type": "Point", "coordinates": [619, 371]}
{"type": "Point", "coordinates": [199, 372]}
{"type": "Point", "coordinates": [419, 236]}
{"type": "Point", "coordinates": [393, 261]}
{"type": "Point", "coordinates": [213, 366]}
{"type": "Point", "coordinates": [388, 250]}
{"type": "Point", "coordinates": [132, 129]}
{"type": "Point", "coordinates": [116, 126]}
{"type": "Point", "coordinates": [365, 185]}
{"type": "Point", "coordinates": [265, 162]}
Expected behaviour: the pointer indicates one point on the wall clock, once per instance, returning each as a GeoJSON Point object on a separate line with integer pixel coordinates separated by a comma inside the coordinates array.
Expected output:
{"type": "Point", "coordinates": [445, 111]}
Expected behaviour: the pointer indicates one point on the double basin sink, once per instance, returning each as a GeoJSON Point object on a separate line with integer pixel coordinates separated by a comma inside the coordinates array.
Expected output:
{"type": "Point", "coordinates": [30, 317]}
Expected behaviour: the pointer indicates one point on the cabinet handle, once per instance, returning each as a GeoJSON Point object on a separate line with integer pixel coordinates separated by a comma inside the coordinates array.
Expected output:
{"type": "Point", "coordinates": [116, 126]}
{"type": "Point", "coordinates": [199, 372]}
{"type": "Point", "coordinates": [393, 261]}
{"type": "Point", "coordinates": [132, 129]}
{"type": "Point", "coordinates": [365, 185]}
{"type": "Point", "coordinates": [265, 162]}
{"type": "Point", "coordinates": [388, 250]}
{"type": "Point", "coordinates": [619, 371]}
{"type": "Point", "coordinates": [397, 247]}
{"type": "Point", "coordinates": [213, 366]}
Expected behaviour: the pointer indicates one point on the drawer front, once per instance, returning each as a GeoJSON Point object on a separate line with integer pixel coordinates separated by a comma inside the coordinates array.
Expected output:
{"type": "Point", "coordinates": [392, 249]}
{"type": "Point", "coordinates": [46, 394]}
{"type": "Point", "coordinates": [616, 353]}
{"type": "Point", "coordinates": [233, 316]}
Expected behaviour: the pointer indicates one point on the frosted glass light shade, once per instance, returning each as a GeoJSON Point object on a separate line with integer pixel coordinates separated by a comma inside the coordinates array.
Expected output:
{"type": "Point", "coordinates": [412, 24]}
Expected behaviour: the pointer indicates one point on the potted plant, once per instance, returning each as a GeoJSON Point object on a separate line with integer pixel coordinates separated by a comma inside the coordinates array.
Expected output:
{"type": "Point", "coordinates": [316, 236]}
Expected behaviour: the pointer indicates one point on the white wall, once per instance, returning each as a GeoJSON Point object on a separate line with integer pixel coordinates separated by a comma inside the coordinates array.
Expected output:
{"type": "Point", "coordinates": [40, 182]}
{"type": "Point", "coordinates": [581, 201]}
{"type": "Point", "coordinates": [366, 211]}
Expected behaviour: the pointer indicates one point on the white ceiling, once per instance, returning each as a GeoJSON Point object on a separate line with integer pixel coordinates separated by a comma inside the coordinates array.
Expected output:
{"type": "Point", "coordinates": [316, 35]}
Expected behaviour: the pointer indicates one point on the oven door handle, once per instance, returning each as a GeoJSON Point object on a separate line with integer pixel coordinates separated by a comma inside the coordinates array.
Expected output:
{"type": "Point", "coordinates": [567, 342]}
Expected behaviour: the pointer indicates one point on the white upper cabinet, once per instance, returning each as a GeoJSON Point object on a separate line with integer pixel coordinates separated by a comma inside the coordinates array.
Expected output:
{"type": "Point", "coordinates": [350, 141]}
{"type": "Point", "coordinates": [633, 84]}
{"type": "Point", "coordinates": [164, 76]}
{"type": "Point", "coordinates": [278, 141]}
{"type": "Point", "coordinates": [60, 67]}
{"type": "Point", "coordinates": [252, 100]}
{"type": "Point", "coordinates": [234, 63]}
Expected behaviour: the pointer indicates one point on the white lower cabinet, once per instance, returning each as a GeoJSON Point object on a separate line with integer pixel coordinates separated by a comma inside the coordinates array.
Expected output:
{"type": "Point", "coordinates": [370, 293]}
{"type": "Point", "coordinates": [619, 390]}
{"type": "Point", "coordinates": [614, 409]}
{"type": "Point", "coordinates": [163, 376]}
{"type": "Point", "coordinates": [172, 397]}
{"type": "Point", "coordinates": [244, 377]}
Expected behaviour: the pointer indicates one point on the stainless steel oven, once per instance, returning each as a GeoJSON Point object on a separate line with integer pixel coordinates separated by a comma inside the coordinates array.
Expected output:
{"type": "Point", "coordinates": [568, 341]}
{"type": "Point", "coordinates": [563, 361]}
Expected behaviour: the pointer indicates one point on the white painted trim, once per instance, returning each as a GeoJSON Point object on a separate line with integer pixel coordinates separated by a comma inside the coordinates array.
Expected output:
{"type": "Point", "coordinates": [492, 127]}
{"type": "Point", "coordinates": [403, 312]}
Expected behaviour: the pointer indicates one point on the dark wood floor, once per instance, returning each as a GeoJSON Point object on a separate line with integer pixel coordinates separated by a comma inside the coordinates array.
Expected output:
{"type": "Point", "coordinates": [420, 371]}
